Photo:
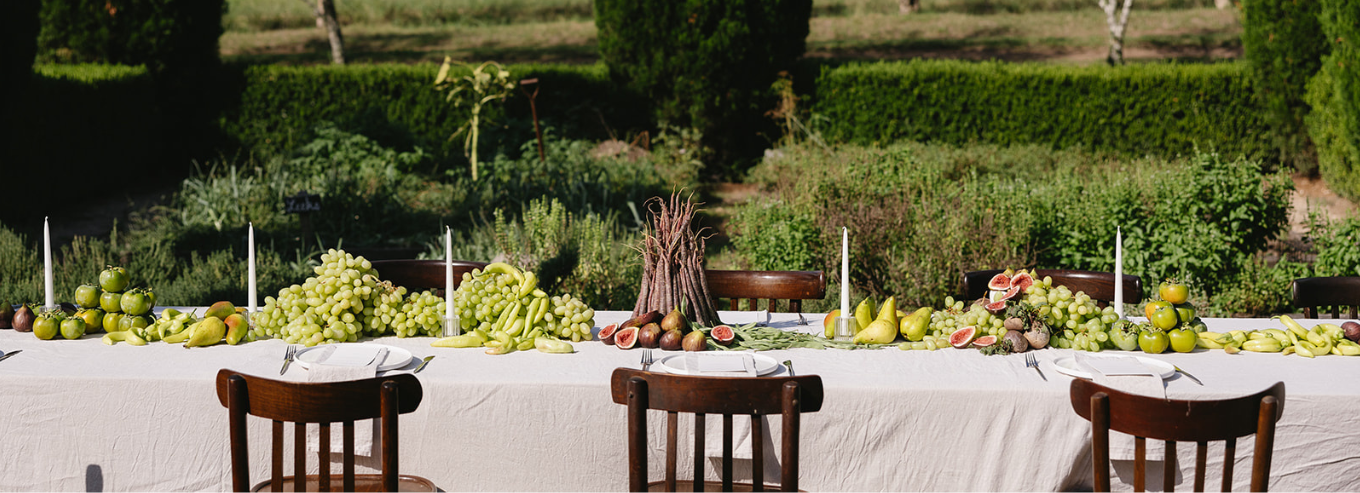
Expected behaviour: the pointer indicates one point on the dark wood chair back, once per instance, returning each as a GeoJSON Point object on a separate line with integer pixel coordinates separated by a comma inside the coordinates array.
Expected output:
{"type": "Point", "coordinates": [1098, 285]}
{"type": "Point", "coordinates": [1313, 293]}
{"type": "Point", "coordinates": [786, 396]}
{"type": "Point", "coordinates": [772, 285]}
{"type": "Point", "coordinates": [423, 274]}
{"type": "Point", "coordinates": [1179, 421]}
{"type": "Point", "coordinates": [322, 403]}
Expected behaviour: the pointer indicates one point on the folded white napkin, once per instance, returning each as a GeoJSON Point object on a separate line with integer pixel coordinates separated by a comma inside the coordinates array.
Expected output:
{"type": "Point", "coordinates": [743, 318]}
{"type": "Point", "coordinates": [339, 363]}
{"type": "Point", "coordinates": [1126, 374]}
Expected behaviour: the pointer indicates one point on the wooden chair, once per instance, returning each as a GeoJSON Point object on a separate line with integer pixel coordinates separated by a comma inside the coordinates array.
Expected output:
{"type": "Point", "coordinates": [1312, 293]}
{"type": "Point", "coordinates": [423, 274]}
{"type": "Point", "coordinates": [787, 396]}
{"type": "Point", "coordinates": [323, 403]}
{"type": "Point", "coordinates": [1098, 285]}
{"type": "Point", "coordinates": [1179, 421]}
{"type": "Point", "coordinates": [771, 285]}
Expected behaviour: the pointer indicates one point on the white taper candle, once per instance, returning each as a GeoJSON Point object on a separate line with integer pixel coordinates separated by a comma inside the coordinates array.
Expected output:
{"type": "Point", "coordinates": [1119, 272]}
{"type": "Point", "coordinates": [250, 270]}
{"type": "Point", "coordinates": [448, 273]}
{"type": "Point", "coordinates": [47, 267]}
{"type": "Point", "coordinates": [845, 272]}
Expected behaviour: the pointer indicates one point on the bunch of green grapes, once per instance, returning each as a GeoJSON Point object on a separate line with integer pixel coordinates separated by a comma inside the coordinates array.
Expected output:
{"type": "Point", "coordinates": [421, 314]}
{"type": "Point", "coordinates": [482, 298]}
{"type": "Point", "coordinates": [330, 307]}
{"type": "Point", "coordinates": [1077, 322]}
{"type": "Point", "coordinates": [570, 318]}
{"type": "Point", "coordinates": [956, 316]}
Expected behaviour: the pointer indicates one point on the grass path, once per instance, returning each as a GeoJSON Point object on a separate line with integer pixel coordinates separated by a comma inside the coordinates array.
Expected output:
{"type": "Point", "coordinates": [1064, 37]}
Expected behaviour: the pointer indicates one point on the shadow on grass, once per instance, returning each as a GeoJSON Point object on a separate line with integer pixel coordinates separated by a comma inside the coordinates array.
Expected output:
{"type": "Point", "coordinates": [409, 48]}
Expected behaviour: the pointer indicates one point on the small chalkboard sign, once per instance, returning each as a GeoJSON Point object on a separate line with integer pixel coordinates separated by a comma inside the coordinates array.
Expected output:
{"type": "Point", "coordinates": [302, 202]}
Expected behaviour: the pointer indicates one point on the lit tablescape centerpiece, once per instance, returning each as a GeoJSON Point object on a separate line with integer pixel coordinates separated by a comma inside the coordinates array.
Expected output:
{"type": "Point", "coordinates": [452, 322]}
{"type": "Point", "coordinates": [846, 325]}
{"type": "Point", "coordinates": [1119, 272]}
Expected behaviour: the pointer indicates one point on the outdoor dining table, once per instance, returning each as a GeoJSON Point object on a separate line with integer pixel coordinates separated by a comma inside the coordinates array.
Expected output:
{"type": "Point", "coordinates": [80, 415]}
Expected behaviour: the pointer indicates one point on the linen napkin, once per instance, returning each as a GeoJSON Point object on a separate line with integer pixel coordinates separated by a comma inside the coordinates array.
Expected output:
{"type": "Point", "coordinates": [339, 363]}
{"type": "Point", "coordinates": [1126, 374]}
{"type": "Point", "coordinates": [743, 317]}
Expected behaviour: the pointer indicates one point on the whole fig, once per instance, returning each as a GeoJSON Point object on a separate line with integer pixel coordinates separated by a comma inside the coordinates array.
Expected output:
{"type": "Point", "coordinates": [23, 319]}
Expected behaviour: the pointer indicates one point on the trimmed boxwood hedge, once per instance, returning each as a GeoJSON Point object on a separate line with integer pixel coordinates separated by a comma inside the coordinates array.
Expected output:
{"type": "Point", "coordinates": [397, 105]}
{"type": "Point", "coordinates": [1164, 109]}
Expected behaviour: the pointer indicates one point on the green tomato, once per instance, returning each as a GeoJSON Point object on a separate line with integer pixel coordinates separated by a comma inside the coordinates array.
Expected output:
{"type": "Point", "coordinates": [1153, 306]}
{"type": "Point", "coordinates": [93, 317]}
{"type": "Point", "coordinates": [133, 322]}
{"type": "Point", "coordinates": [112, 322]}
{"type": "Point", "coordinates": [73, 328]}
{"type": "Point", "coordinates": [87, 296]}
{"type": "Point", "coordinates": [111, 302]}
{"type": "Point", "coordinates": [1153, 341]}
{"type": "Point", "coordinates": [1174, 292]}
{"type": "Point", "coordinates": [46, 326]}
{"type": "Point", "coordinates": [113, 279]}
{"type": "Point", "coordinates": [135, 302]}
{"type": "Point", "coordinates": [150, 296]}
{"type": "Point", "coordinates": [1183, 340]}
{"type": "Point", "coordinates": [1185, 312]}
{"type": "Point", "coordinates": [1164, 318]}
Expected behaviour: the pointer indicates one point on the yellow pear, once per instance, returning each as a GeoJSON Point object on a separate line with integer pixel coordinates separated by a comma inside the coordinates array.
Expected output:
{"type": "Point", "coordinates": [878, 332]}
{"type": "Point", "coordinates": [864, 313]}
{"type": "Point", "coordinates": [829, 323]}
{"type": "Point", "coordinates": [914, 326]}
{"type": "Point", "coordinates": [888, 312]}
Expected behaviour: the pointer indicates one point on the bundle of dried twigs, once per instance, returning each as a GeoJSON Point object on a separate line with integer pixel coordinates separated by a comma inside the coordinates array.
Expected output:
{"type": "Point", "coordinates": [673, 262]}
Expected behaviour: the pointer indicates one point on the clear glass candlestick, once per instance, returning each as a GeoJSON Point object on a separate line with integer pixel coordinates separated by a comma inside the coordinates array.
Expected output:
{"type": "Point", "coordinates": [846, 327]}
{"type": "Point", "coordinates": [453, 326]}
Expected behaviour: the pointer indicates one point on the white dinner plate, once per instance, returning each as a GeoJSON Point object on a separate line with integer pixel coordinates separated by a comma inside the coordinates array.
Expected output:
{"type": "Point", "coordinates": [677, 363]}
{"type": "Point", "coordinates": [1068, 365]}
{"type": "Point", "coordinates": [396, 357]}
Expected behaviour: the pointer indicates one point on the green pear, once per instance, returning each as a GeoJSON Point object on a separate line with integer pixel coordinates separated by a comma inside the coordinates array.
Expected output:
{"type": "Point", "coordinates": [878, 332]}
{"type": "Point", "coordinates": [914, 326]}
{"type": "Point", "coordinates": [236, 328]}
{"type": "Point", "coordinates": [888, 312]}
{"type": "Point", "coordinates": [829, 323]}
{"type": "Point", "coordinates": [221, 310]}
{"type": "Point", "coordinates": [210, 331]}
{"type": "Point", "coordinates": [864, 313]}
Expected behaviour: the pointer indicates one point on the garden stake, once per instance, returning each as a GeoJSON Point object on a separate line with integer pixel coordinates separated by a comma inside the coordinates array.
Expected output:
{"type": "Point", "coordinates": [534, 111]}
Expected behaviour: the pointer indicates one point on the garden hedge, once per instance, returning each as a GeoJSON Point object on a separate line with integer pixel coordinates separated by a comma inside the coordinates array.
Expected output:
{"type": "Point", "coordinates": [1164, 109]}
{"type": "Point", "coordinates": [398, 106]}
{"type": "Point", "coordinates": [1284, 44]}
{"type": "Point", "coordinates": [161, 34]}
{"type": "Point", "coordinates": [1334, 94]}
{"type": "Point", "coordinates": [707, 63]}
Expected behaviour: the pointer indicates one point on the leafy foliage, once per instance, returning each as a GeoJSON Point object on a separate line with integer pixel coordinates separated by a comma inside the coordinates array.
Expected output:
{"type": "Point", "coordinates": [1137, 110]}
{"type": "Point", "coordinates": [1284, 44]}
{"type": "Point", "coordinates": [164, 35]}
{"type": "Point", "coordinates": [773, 236]}
{"type": "Point", "coordinates": [705, 63]}
{"type": "Point", "coordinates": [589, 256]}
{"type": "Point", "coordinates": [1334, 94]}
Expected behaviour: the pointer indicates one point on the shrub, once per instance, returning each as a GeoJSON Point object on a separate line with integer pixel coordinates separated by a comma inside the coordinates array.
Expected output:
{"type": "Point", "coordinates": [588, 256]}
{"type": "Point", "coordinates": [1137, 110]}
{"type": "Point", "coordinates": [1334, 94]}
{"type": "Point", "coordinates": [1337, 245]}
{"type": "Point", "coordinates": [773, 236]}
{"type": "Point", "coordinates": [164, 35]}
{"type": "Point", "coordinates": [1258, 290]}
{"type": "Point", "coordinates": [1284, 46]}
{"type": "Point", "coordinates": [920, 215]}
{"type": "Point", "coordinates": [705, 63]}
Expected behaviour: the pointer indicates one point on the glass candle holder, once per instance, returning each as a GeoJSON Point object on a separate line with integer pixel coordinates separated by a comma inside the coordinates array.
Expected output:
{"type": "Point", "coordinates": [846, 327]}
{"type": "Point", "coordinates": [453, 326]}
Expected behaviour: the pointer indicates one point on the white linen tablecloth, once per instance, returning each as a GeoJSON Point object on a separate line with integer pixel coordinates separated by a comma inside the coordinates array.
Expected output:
{"type": "Point", "coordinates": [79, 415]}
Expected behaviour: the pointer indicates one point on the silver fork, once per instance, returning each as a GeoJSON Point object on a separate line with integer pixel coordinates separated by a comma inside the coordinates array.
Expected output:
{"type": "Point", "coordinates": [1033, 363]}
{"type": "Point", "coordinates": [288, 358]}
{"type": "Point", "coordinates": [646, 359]}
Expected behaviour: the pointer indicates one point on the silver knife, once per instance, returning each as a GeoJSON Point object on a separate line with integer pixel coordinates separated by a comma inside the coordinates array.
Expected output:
{"type": "Point", "coordinates": [750, 364]}
{"type": "Point", "coordinates": [11, 353]}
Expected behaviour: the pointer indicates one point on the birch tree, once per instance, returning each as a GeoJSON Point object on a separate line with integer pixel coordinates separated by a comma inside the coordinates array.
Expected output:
{"type": "Point", "coordinates": [327, 19]}
{"type": "Point", "coordinates": [1118, 20]}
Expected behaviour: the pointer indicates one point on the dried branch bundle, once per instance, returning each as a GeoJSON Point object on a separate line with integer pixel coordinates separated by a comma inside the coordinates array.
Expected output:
{"type": "Point", "coordinates": [673, 262]}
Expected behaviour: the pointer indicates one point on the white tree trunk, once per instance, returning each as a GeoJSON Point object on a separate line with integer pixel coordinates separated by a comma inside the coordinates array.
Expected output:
{"type": "Point", "coordinates": [1222, 4]}
{"type": "Point", "coordinates": [1118, 21]}
{"type": "Point", "coordinates": [327, 19]}
{"type": "Point", "coordinates": [908, 6]}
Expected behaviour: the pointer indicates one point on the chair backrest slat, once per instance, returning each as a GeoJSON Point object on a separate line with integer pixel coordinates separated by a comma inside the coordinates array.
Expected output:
{"type": "Point", "coordinates": [1314, 294]}
{"type": "Point", "coordinates": [1197, 421]}
{"type": "Point", "coordinates": [770, 285]}
{"type": "Point", "coordinates": [1098, 285]}
{"type": "Point", "coordinates": [321, 403]}
{"type": "Point", "coordinates": [703, 396]}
